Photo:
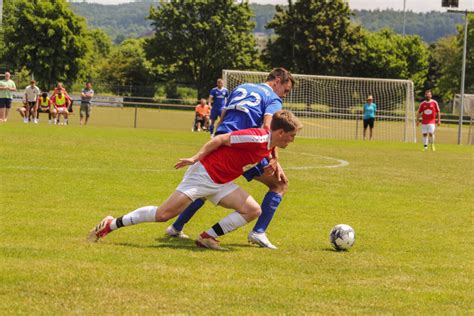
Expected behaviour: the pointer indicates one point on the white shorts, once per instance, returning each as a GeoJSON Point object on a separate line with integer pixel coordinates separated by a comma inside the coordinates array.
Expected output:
{"type": "Point", "coordinates": [428, 128]}
{"type": "Point", "coordinates": [197, 184]}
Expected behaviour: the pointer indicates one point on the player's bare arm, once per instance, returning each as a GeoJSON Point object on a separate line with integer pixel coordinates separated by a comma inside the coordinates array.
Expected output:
{"type": "Point", "coordinates": [273, 166]}
{"type": "Point", "coordinates": [209, 100]}
{"type": "Point", "coordinates": [210, 146]}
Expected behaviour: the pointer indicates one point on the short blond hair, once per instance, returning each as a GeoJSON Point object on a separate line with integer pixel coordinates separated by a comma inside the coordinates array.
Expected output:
{"type": "Point", "coordinates": [286, 121]}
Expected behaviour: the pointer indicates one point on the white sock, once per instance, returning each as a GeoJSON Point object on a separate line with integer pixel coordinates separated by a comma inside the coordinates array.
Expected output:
{"type": "Point", "coordinates": [432, 139]}
{"type": "Point", "coordinates": [229, 223]}
{"type": "Point", "coordinates": [140, 215]}
{"type": "Point", "coordinates": [425, 140]}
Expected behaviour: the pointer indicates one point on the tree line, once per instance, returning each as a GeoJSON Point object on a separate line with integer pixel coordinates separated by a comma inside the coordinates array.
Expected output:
{"type": "Point", "coordinates": [128, 20]}
{"type": "Point", "coordinates": [192, 41]}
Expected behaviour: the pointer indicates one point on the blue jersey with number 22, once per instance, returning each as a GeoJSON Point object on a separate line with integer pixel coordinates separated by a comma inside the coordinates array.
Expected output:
{"type": "Point", "coordinates": [247, 106]}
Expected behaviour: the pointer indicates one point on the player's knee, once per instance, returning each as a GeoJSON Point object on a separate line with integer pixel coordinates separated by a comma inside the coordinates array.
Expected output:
{"type": "Point", "coordinates": [162, 216]}
{"type": "Point", "coordinates": [255, 211]}
{"type": "Point", "coordinates": [279, 187]}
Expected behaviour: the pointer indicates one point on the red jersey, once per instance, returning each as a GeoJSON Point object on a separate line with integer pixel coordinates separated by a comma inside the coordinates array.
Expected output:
{"type": "Point", "coordinates": [429, 109]}
{"type": "Point", "coordinates": [248, 147]}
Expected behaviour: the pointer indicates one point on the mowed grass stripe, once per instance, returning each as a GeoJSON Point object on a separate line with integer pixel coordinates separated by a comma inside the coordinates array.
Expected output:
{"type": "Point", "coordinates": [412, 212]}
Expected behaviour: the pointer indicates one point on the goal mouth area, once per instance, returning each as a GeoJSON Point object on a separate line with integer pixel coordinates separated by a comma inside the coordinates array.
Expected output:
{"type": "Point", "coordinates": [331, 107]}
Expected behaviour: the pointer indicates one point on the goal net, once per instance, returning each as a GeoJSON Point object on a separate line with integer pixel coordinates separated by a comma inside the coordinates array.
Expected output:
{"type": "Point", "coordinates": [331, 107]}
{"type": "Point", "coordinates": [468, 113]}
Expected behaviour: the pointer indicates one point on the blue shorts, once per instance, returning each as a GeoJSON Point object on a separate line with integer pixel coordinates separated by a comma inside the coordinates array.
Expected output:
{"type": "Point", "coordinates": [215, 113]}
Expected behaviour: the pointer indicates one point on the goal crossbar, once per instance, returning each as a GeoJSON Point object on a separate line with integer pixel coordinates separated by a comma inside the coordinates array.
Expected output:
{"type": "Point", "coordinates": [332, 107]}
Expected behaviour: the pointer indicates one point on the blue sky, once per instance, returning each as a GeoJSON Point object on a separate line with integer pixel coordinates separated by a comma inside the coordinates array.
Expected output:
{"type": "Point", "coordinates": [414, 5]}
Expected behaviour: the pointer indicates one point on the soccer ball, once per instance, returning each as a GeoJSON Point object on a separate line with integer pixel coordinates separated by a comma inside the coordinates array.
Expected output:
{"type": "Point", "coordinates": [342, 237]}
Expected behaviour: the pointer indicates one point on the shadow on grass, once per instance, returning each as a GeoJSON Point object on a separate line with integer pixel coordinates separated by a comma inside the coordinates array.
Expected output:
{"type": "Point", "coordinates": [330, 249]}
{"type": "Point", "coordinates": [186, 244]}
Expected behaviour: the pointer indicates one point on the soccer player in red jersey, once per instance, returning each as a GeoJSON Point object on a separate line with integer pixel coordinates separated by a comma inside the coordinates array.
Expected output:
{"type": "Point", "coordinates": [430, 115]}
{"type": "Point", "coordinates": [210, 175]}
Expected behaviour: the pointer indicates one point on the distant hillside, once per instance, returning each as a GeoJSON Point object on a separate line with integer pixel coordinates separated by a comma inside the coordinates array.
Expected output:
{"type": "Point", "coordinates": [129, 20]}
{"type": "Point", "coordinates": [120, 21]}
{"type": "Point", "coordinates": [430, 26]}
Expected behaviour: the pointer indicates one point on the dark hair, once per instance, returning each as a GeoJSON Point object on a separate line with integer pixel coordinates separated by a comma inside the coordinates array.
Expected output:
{"type": "Point", "coordinates": [429, 90]}
{"type": "Point", "coordinates": [285, 120]}
{"type": "Point", "coordinates": [44, 95]}
{"type": "Point", "coordinates": [281, 73]}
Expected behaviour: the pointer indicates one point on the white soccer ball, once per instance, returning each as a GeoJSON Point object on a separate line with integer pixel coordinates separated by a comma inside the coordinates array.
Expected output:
{"type": "Point", "coordinates": [342, 237]}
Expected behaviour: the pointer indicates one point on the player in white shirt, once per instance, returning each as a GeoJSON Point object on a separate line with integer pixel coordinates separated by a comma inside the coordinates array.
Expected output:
{"type": "Point", "coordinates": [32, 93]}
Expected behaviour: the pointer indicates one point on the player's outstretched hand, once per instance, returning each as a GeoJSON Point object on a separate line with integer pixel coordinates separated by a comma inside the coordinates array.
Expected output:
{"type": "Point", "coordinates": [280, 174]}
{"type": "Point", "coordinates": [183, 162]}
{"type": "Point", "coordinates": [271, 168]}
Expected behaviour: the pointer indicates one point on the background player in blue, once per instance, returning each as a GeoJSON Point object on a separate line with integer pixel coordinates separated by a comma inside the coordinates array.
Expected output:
{"type": "Point", "coordinates": [252, 105]}
{"type": "Point", "coordinates": [217, 97]}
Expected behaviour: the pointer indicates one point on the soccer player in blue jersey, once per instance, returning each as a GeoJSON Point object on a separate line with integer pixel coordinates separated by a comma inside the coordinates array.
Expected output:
{"type": "Point", "coordinates": [251, 106]}
{"type": "Point", "coordinates": [217, 98]}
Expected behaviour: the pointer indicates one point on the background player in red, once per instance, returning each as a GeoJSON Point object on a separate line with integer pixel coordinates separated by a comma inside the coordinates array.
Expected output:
{"type": "Point", "coordinates": [210, 175]}
{"type": "Point", "coordinates": [430, 115]}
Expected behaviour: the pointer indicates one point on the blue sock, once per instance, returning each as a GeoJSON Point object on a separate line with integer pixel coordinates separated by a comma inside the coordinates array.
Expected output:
{"type": "Point", "coordinates": [187, 214]}
{"type": "Point", "coordinates": [211, 129]}
{"type": "Point", "coordinates": [269, 206]}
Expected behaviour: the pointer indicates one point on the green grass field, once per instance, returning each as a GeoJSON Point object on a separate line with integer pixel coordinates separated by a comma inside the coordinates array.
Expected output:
{"type": "Point", "coordinates": [411, 210]}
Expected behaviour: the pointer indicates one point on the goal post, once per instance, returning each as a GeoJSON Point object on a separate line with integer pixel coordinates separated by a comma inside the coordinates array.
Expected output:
{"type": "Point", "coordinates": [468, 111]}
{"type": "Point", "coordinates": [331, 107]}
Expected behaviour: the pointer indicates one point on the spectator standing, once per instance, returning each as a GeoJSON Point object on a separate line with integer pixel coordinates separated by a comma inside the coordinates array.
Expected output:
{"type": "Point", "coordinates": [369, 115]}
{"type": "Point", "coordinates": [32, 93]}
{"type": "Point", "coordinates": [7, 87]}
{"type": "Point", "coordinates": [59, 87]}
{"type": "Point", "coordinates": [86, 102]}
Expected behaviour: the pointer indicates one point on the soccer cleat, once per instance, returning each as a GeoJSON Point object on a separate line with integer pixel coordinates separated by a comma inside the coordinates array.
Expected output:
{"type": "Point", "coordinates": [261, 240]}
{"type": "Point", "coordinates": [206, 241]}
{"type": "Point", "coordinates": [172, 232]}
{"type": "Point", "coordinates": [433, 148]}
{"type": "Point", "coordinates": [100, 230]}
{"type": "Point", "coordinates": [425, 148]}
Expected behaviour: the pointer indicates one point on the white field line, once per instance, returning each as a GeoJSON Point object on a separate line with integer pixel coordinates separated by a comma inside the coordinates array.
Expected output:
{"type": "Point", "coordinates": [340, 163]}
{"type": "Point", "coordinates": [33, 168]}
